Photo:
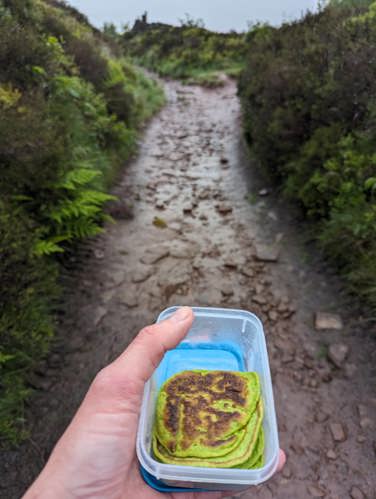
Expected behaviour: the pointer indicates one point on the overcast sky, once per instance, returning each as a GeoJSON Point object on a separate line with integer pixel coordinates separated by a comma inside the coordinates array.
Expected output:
{"type": "Point", "coordinates": [220, 15]}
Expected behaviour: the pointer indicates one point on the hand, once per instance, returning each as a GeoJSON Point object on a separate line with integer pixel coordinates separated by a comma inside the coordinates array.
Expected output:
{"type": "Point", "coordinates": [96, 456]}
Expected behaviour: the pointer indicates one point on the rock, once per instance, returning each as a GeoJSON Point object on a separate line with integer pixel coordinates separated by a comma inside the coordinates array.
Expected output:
{"type": "Point", "coordinates": [324, 320]}
{"type": "Point", "coordinates": [154, 254]}
{"type": "Point", "coordinates": [203, 217]}
{"type": "Point", "coordinates": [99, 254]}
{"type": "Point", "coordinates": [224, 208]}
{"type": "Point", "coordinates": [128, 298]}
{"type": "Point", "coordinates": [183, 250]}
{"type": "Point", "coordinates": [248, 271]}
{"type": "Point", "coordinates": [204, 194]}
{"type": "Point", "coordinates": [120, 209]}
{"type": "Point", "coordinates": [331, 454]}
{"type": "Point", "coordinates": [316, 491]}
{"type": "Point", "coordinates": [286, 472]}
{"type": "Point", "coordinates": [226, 289]}
{"type": "Point", "coordinates": [188, 208]}
{"type": "Point", "coordinates": [321, 417]}
{"type": "Point", "coordinates": [338, 432]}
{"type": "Point", "coordinates": [366, 423]}
{"type": "Point", "coordinates": [224, 161]}
{"type": "Point", "coordinates": [350, 370]}
{"type": "Point", "coordinates": [273, 216]}
{"type": "Point", "coordinates": [40, 383]}
{"type": "Point", "coordinates": [98, 315]}
{"type": "Point", "coordinates": [263, 192]}
{"type": "Point", "coordinates": [230, 263]}
{"type": "Point", "coordinates": [55, 360]}
{"type": "Point", "coordinates": [141, 274]}
{"type": "Point", "coordinates": [356, 493]}
{"type": "Point", "coordinates": [261, 300]}
{"type": "Point", "coordinates": [273, 316]}
{"type": "Point", "coordinates": [160, 205]}
{"type": "Point", "coordinates": [361, 439]}
{"type": "Point", "coordinates": [337, 353]}
{"type": "Point", "coordinates": [267, 253]}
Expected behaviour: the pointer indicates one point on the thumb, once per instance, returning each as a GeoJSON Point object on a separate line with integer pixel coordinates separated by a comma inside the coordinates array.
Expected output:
{"type": "Point", "coordinates": [146, 351]}
{"type": "Point", "coordinates": [123, 381]}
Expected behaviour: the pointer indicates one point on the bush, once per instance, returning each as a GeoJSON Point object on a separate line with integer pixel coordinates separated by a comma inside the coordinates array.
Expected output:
{"type": "Point", "coordinates": [69, 118]}
{"type": "Point", "coordinates": [187, 52]}
{"type": "Point", "coordinates": [309, 98]}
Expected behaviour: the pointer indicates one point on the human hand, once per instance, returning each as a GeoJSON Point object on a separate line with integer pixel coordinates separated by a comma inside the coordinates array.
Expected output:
{"type": "Point", "coordinates": [96, 456]}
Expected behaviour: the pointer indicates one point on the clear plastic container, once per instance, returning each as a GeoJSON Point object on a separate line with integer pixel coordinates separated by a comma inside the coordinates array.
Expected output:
{"type": "Point", "coordinates": [218, 339]}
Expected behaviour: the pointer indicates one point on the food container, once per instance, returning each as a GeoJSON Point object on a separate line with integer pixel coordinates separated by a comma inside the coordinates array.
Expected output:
{"type": "Point", "coordinates": [222, 339]}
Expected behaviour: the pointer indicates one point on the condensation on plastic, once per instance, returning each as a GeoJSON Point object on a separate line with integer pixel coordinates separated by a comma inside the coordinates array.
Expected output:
{"type": "Point", "coordinates": [218, 339]}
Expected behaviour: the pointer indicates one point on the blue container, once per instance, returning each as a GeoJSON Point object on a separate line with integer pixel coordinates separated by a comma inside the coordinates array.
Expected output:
{"type": "Point", "coordinates": [222, 339]}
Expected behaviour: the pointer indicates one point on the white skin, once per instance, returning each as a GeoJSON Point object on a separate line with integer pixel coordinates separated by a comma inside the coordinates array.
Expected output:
{"type": "Point", "coordinates": [96, 456]}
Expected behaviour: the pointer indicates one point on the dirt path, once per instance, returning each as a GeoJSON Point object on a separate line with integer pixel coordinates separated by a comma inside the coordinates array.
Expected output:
{"type": "Point", "coordinates": [192, 173]}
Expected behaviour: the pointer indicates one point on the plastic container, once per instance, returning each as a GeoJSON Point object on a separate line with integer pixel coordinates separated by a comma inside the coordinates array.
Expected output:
{"type": "Point", "coordinates": [218, 339]}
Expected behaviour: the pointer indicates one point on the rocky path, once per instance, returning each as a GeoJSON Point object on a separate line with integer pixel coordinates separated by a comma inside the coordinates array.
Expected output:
{"type": "Point", "coordinates": [204, 233]}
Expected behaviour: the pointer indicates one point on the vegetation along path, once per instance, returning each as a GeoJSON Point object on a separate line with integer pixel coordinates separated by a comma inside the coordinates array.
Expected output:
{"type": "Point", "coordinates": [209, 245]}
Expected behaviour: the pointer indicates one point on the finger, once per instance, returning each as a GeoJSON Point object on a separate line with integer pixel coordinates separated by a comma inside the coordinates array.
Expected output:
{"type": "Point", "coordinates": [282, 460]}
{"type": "Point", "coordinates": [146, 351]}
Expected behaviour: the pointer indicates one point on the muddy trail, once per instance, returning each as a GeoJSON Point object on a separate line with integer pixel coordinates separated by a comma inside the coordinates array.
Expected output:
{"type": "Point", "coordinates": [224, 244]}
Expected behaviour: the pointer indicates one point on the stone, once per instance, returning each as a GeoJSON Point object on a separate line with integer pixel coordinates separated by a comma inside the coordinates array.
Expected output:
{"type": "Point", "coordinates": [128, 298]}
{"type": "Point", "coordinates": [224, 208]}
{"type": "Point", "coordinates": [273, 316]}
{"type": "Point", "coordinates": [230, 263]}
{"type": "Point", "coordinates": [286, 472]}
{"type": "Point", "coordinates": [99, 254]}
{"type": "Point", "coordinates": [223, 161]}
{"type": "Point", "coordinates": [321, 417]}
{"type": "Point", "coordinates": [366, 423]}
{"type": "Point", "coordinates": [316, 491]}
{"type": "Point", "coordinates": [261, 300]}
{"type": "Point", "coordinates": [40, 383]}
{"type": "Point", "coordinates": [154, 254]}
{"type": "Point", "coordinates": [361, 439]}
{"type": "Point", "coordinates": [263, 192]}
{"type": "Point", "coordinates": [188, 208]}
{"type": "Point", "coordinates": [337, 353]}
{"type": "Point", "coordinates": [226, 289]}
{"type": "Point", "coordinates": [331, 455]}
{"type": "Point", "coordinates": [98, 315]}
{"type": "Point", "coordinates": [141, 274]}
{"type": "Point", "coordinates": [325, 320]}
{"type": "Point", "coordinates": [267, 253]}
{"type": "Point", "coordinates": [356, 493]}
{"type": "Point", "coordinates": [350, 370]}
{"type": "Point", "coordinates": [248, 272]}
{"type": "Point", "coordinates": [338, 432]}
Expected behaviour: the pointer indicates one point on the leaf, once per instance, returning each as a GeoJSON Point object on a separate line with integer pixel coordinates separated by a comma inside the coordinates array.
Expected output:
{"type": "Point", "coordinates": [42, 248]}
{"type": "Point", "coordinates": [159, 222]}
{"type": "Point", "coordinates": [370, 183]}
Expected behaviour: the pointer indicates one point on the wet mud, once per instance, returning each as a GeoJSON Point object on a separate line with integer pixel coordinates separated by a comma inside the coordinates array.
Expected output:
{"type": "Point", "coordinates": [195, 226]}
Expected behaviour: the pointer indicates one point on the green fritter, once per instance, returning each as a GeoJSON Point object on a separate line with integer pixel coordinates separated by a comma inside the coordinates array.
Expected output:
{"type": "Point", "coordinates": [203, 414]}
{"type": "Point", "coordinates": [248, 448]}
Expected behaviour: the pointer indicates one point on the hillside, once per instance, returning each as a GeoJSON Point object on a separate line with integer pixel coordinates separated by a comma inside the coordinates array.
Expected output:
{"type": "Point", "coordinates": [189, 51]}
{"type": "Point", "coordinates": [70, 111]}
{"type": "Point", "coordinates": [308, 94]}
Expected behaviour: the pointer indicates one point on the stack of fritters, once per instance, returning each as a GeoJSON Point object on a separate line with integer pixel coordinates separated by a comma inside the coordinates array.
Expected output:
{"type": "Point", "coordinates": [211, 419]}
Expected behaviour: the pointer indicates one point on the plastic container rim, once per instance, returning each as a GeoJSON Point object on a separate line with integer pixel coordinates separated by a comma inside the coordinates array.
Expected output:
{"type": "Point", "coordinates": [194, 474]}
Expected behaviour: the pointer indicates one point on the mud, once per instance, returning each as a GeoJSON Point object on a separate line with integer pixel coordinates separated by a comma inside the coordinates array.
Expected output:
{"type": "Point", "coordinates": [204, 233]}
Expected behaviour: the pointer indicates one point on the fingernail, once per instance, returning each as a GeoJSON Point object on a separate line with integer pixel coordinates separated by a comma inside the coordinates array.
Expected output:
{"type": "Point", "coordinates": [181, 314]}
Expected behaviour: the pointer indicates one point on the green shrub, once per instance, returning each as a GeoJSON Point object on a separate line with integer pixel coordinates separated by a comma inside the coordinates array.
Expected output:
{"type": "Point", "coordinates": [308, 93]}
{"type": "Point", "coordinates": [69, 119]}
{"type": "Point", "coordinates": [189, 52]}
